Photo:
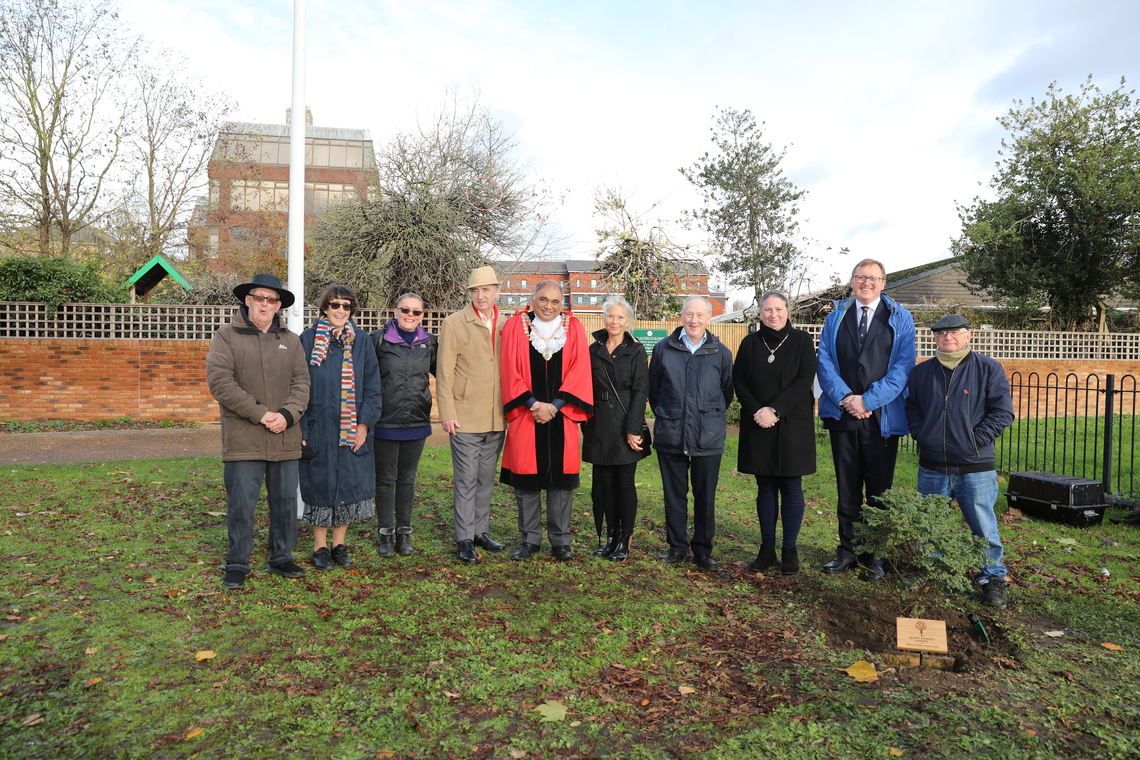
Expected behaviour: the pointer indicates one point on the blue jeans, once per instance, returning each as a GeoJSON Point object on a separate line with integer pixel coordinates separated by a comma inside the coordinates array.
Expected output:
{"type": "Point", "coordinates": [976, 494]}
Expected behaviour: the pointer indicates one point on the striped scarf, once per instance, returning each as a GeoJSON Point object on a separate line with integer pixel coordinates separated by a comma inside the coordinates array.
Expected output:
{"type": "Point", "coordinates": [345, 334]}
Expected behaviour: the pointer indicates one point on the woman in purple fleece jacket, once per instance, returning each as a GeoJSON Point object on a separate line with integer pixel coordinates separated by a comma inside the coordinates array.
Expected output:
{"type": "Point", "coordinates": [406, 353]}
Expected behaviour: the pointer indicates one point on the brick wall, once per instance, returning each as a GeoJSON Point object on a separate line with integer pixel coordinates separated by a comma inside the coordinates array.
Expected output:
{"type": "Point", "coordinates": [105, 379]}
{"type": "Point", "coordinates": [59, 379]}
{"type": "Point", "coordinates": [1080, 367]}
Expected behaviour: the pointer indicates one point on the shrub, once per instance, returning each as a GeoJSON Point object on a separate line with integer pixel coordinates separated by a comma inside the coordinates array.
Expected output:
{"type": "Point", "coordinates": [924, 534]}
{"type": "Point", "coordinates": [54, 281]}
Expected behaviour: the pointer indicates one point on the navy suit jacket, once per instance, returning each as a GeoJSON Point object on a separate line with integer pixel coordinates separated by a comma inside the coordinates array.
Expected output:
{"type": "Point", "coordinates": [861, 367]}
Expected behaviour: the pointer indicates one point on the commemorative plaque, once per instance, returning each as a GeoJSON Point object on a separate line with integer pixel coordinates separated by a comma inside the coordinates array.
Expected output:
{"type": "Point", "coordinates": [917, 635]}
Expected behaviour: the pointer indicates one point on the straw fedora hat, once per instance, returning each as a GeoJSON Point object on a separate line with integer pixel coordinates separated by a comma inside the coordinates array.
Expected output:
{"type": "Point", "coordinates": [483, 276]}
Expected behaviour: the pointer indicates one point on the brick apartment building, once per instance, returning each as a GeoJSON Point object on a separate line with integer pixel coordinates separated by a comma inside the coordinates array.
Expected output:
{"type": "Point", "coordinates": [585, 286]}
{"type": "Point", "coordinates": [249, 184]}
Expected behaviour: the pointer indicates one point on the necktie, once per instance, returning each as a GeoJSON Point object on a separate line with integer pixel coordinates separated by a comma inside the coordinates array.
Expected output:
{"type": "Point", "coordinates": [863, 326]}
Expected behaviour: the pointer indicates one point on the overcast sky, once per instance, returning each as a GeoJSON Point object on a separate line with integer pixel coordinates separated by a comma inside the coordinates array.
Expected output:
{"type": "Point", "coordinates": [887, 109]}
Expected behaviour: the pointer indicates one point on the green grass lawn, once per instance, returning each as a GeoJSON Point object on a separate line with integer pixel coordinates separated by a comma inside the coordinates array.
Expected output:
{"type": "Point", "coordinates": [117, 640]}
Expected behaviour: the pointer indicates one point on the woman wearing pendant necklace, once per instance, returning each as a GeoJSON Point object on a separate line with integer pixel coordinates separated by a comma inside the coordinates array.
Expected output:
{"type": "Point", "coordinates": [773, 374]}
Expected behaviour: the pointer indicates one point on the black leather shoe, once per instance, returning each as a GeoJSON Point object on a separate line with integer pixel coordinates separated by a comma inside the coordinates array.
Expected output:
{"type": "Point", "coordinates": [467, 551]}
{"type": "Point", "coordinates": [765, 558]}
{"type": "Point", "coordinates": [288, 569]}
{"type": "Point", "coordinates": [340, 555]}
{"type": "Point", "coordinates": [234, 579]}
{"type": "Point", "coordinates": [840, 565]}
{"type": "Point", "coordinates": [706, 562]}
{"type": "Point", "coordinates": [384, 545]}
{"type": "Point", "coordinates": [874, 573]}
{"type": "Point", "coordinates": [322, 560]}
{"type": "Point", "coordinates": [525, 551]}
{"type": "Point", "coordinates": [404, 544]}
{"type": "Point", "coordinates": [488, 543]}
{"type": "Point", "coordinates": [561, 553]}
{"type": "Point", "coordinates": [673, 557]}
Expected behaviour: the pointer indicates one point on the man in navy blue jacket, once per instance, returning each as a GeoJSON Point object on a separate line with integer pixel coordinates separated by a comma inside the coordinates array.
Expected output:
{"type": "Point", "coordinates": [690, 388]}
{"type": "Point", "coordinates": [958, 405]}
{"type": "Point", "coordinates": [866, 354]}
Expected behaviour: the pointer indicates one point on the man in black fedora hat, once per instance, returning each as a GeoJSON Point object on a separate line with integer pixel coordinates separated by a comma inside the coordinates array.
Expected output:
{"type": "Point", "coordinates": [256, 370]}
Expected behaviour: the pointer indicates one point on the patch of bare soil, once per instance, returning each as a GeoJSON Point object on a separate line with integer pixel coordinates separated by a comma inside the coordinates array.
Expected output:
{"type": "Point", "coordinates": [865, 620]}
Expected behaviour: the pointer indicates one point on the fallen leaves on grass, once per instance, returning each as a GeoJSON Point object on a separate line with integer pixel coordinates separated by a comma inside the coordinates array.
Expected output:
{"type": "Point", "coordinates": [32, 720]}
{"type": "Point", "coordinates": [1113, 647]}
{"type": "Point", "coordinates": [895, 752]}
{"type": "Point", "coordinates": [91, 682]}
{"type": "Point", "coordinates": [862, 672]}
{"type": "Point", "coordinates": [551, 710]}
{"type": "Point", "coordinates": [195, 731]}
{"type": "Point", "coordinates": [205, 654]}
{"type": "Point", "coordinates": [1055, 634]}
{"type": "Point", "coordinates": [686, 690]}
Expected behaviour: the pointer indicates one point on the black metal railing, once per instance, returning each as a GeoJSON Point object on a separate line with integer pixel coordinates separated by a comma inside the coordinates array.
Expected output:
{"type": "Point", "coordinates": [1082, 427]}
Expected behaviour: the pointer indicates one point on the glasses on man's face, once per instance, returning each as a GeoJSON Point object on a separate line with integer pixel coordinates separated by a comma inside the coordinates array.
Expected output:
{"type": "Point", "coordinates": [340, 305]}
{"type": "Point", "coordinates": [413, 312]}
{"type": "Point", "coordinates": [265, 299]}
{"type": "Point", "coordinates": [861, 278]}
{"type": "Point", "coordinates": [944, 333]}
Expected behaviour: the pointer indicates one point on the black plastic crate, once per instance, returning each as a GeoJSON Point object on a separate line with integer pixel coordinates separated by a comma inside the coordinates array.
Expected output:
{"type": "Point", "coordinates": [1061, 498]}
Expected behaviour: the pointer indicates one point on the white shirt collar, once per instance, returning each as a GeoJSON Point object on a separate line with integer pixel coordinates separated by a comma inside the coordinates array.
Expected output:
{"type": "Point", "coordinates": [871, 307]}
{"type": "Point", "coordinates": [689, 341]}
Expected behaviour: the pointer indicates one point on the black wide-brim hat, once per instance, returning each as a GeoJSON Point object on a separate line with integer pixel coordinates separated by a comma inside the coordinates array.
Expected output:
{"type": "Point", "coordinates": [265, 281]}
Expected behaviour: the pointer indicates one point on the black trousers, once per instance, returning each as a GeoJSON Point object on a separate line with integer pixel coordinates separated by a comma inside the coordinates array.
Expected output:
{"type": "Point", "coordinates": [675, 485]}
{"type": "Point", "coordinates": [864, 467]}
{"type": "Point", "coordinates": [614, 491]}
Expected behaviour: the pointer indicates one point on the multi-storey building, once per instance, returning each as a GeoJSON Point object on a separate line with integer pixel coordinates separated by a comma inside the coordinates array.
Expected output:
{"type": "Point", "coordinates": [586, 287]}
{"type": "Point", "coordinates": [246, 214]}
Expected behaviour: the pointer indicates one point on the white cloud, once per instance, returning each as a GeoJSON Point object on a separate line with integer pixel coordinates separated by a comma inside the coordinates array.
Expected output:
{"type": "Point", "coordinates": [886, 108]}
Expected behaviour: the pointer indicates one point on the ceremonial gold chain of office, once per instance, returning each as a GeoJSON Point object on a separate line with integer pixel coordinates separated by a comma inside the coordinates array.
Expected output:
{"type": "Point", "coordinates": [532, 334]}
{"type": "Point", "coordinates": [772, 351]}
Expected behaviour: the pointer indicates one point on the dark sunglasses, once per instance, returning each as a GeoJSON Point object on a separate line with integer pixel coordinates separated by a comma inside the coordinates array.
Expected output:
{"type": "Point", "coordinates": [340, 305]}
{"type": "Point", "coordinates": [265, 299]}
{"type": "Point", "coordinates": [413, 312]}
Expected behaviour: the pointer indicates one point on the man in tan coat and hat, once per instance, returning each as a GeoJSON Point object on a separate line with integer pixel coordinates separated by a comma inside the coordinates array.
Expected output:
{"type": "Point", "coordinates": [467, 388]}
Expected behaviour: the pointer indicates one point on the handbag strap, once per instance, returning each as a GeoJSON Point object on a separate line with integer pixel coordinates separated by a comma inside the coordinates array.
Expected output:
{"type": "Point", "coordinates": [612, 388]}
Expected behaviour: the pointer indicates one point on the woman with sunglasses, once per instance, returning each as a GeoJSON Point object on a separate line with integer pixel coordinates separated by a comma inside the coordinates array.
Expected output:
{"type": "Point", "coordinates": [406, 353]}
{"type": "Point", "coordinates": [338, 479]}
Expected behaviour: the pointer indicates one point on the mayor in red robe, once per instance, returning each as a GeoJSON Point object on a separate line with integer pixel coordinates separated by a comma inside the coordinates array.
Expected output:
{"type": "Point", "coordinates": [547, 391]}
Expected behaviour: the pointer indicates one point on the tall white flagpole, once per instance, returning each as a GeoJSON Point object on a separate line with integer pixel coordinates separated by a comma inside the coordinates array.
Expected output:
{"type": "Point", "coordinates": [296, 316]}
{"type": "Point", "coordinates": [296, 284]}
